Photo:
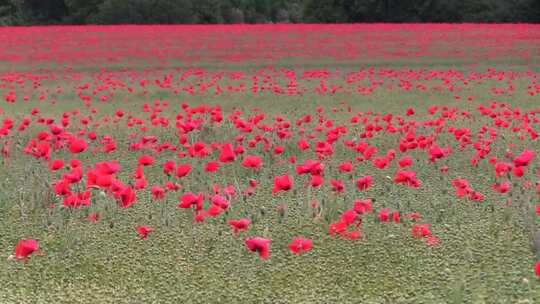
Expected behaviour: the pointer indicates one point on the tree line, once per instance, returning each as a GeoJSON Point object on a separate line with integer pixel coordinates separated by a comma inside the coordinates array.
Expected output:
{"type": "Point", "coordinates": [34, 12]}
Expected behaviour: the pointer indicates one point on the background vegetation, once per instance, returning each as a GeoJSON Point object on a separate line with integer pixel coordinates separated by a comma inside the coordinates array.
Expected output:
{"type": "Point", "coordinates": [33, 12]}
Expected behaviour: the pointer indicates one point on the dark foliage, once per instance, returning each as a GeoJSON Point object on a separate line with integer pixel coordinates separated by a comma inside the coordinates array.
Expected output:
{"type": "Point", "coordinates": [14, 12]}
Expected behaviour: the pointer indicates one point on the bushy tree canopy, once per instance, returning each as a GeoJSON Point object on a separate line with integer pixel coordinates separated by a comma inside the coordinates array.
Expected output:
{"type": "Point", "coordinates": [264, 11]}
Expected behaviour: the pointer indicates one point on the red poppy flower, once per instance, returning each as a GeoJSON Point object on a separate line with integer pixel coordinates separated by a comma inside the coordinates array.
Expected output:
{"type": "Point", "coordinates": [396, 216]}
{"type": "Point", "coordinates": [363, 183]}
{"type": "Point", "coordinates": [405, 161]}
{"type": "Point", "coordinates": [316, 180]}
{"type": "Point", "coordinates": [524, 158]}
{"type": "Point", "coordinates": [143, 231]}
{"type": "Point", "coordinates": [158, 192]}
{"type": "Point", "coordinates": [299, 245]}
{"type": "Point", "coordinates": [189, 199]}
{"type": "Point", "coordinates": [211, 166]}
{"type": "Point", "coordinates": [501, 168]}
{"type": "Point", "coordinates": [432, 240]}
{"type": "Point", "coordinates": [503, 187]}
{"type": "Point", "coordinates": [338, 227]}
{"type": "Point", "coordinates": [77, 145]}
{"type": "Point", "coordinates": [407, 177]}
{"type": "Point", "coordinates": [56, 164]}
{"type": "Point", "coordinates": [214, 210]}
{"type": "Point", "coordinates": [282, 183]}
{"type": "Point", "coordinates": [363, 206]}
{"type": "Point", "coordinates": [168, 167]}
{"type": "Point", "coordinates": [226, 154]}
{"type": "Point", "coordinates": [93, 217]}
{"type": "Point", "coordinates": [384, 215]}
{"type": "Point", "coordinates": [127, 197]}
{"type": "Point", "coordinates": [349, 216]}
{"type": "Point", "coordinates": [25, 248]}
{"type": "Point", "coordinates": [337, 185]}
{"type": "Point", "coordinates": [346, 166]}
{"type": "Point", "coordinates": [260, 245]}
{"type": "Point", "coordinates": [310, 166]}
{"type": "Point", "coordinates": [252, 161]}
{"type": "Point", "coordinates": [380, 162]}
{"type": "Point", "coordinates": [419, 230]}
{"type": "Point", "coordinates": [239, 225]}
{"type": "Point", "coordinates": [183, 170]}
{"type": "Point", "coordinates": [146, 160]}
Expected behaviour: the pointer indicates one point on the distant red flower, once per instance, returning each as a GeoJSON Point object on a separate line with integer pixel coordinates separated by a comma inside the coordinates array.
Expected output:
{"type": "Point", "coordinates": [226, 154]}
{"type": "Point", "coordinates": [252, 161]}
{"type": "Point", "coordinates": [436, 152]}
{"type": "Point", "coordinates": [524, 158]}
{"type": "Point", "coordinates": [211, 166]}
{"type": "Point", "coordinates": [346, 166]}
{"type": "Point", "coordinates": [143, 231]}
{"type": "Point", "coordinates": [337, 185]}
{"type": "Point", "coordinates": [93, 217]}
{"type": "Point", "coordinates": [25, 248]}
{"type": "Point", "coordinates": [299, 245]}
{"type": "Point", "coordinates": [312, 167]}
{"type": "Point", "coordinates": [252, 182]}
{"type": "Point", "coordinates": [381, 162]}
{"type": "Point", "coordinates": [158, 192]}
{"type": "Point", "coordinates": [56, 164]}
{"type": "Point", "coordinates": [503, 187]}
{"type": "Point", "coordinates": [396, 216]}
{"type": "Point", "coordinates": [127, 197]}
{"type": "Point", "coordinates": [106, 168]}
{"type": "Point", "coordinates": [353, 235]}
{"type": "Point", "coordinates": [363, 206]}
{"type": "Point", "coordinates": [413, 215]}
{"type": "Point", "coordinates": [363, 183]}
{"type": "Point", "coordinates": [501, 168]}
{"type": "Point", "coordinates": [282, 183]}
{"type": "Point", "coordinates": [407, 177]}
{"type": "Point", "coordinates": [278, 150]}
{"type": "Point", "coordinates": [338, 227]}
{"type": "Point", "coordinates": [77, 145]}
{"type": "Point", "coordinates": [384, 215]}
{"type": "Point", "coordinates": [420, 230]}
{"type": "Point", "coordinates": [260, 245]}
{"type": "Point", "coordinates": [172, 186]}
{"type": "Point", "coordinates": [199, 216]}
{"type": "Point", "coordinates": [349, 216]}
{"type": "Point", "coordinates": [537, 268]}
{"type": "Point", "coordinates": [316, 180]}
{"type": "Point", "coordinates": [239, 224]}
{"type": "Point", "coordinates": [432, 240]}
{"type": "Point", "coordinates": [189, 199]}
{"type": "Point", "coordinates": [405, 161]}
{"type": "Point", "coordinates": [168, 167]}
{"type": "Point", "coordinates": [214, 210]}
{"type": "Point", "coordinates": [146, 160]}
{"type": "Point", "coordinates": [183, 170]}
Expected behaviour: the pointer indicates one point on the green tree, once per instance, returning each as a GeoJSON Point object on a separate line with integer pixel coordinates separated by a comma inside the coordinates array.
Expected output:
{"type": "Point", "coordinates": [208, 11]}
{"type": "Point", "coordinates": [80, 11]}
{"type": "Point", "coordinates": [11, 12]}
{"type": "Point", "coordinates": [144, 12]}
{"type": "Point", "coordinates": [331, 11]}
{"type": "Point", "coordinates": [45, 11]}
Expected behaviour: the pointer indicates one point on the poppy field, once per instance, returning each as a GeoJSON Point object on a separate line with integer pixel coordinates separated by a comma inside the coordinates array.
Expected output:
{"type": "Point", "coordinates": [270, 164]}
